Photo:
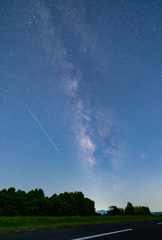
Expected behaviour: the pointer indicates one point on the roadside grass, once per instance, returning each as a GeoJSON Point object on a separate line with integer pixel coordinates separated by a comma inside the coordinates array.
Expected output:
{"type": "Point", "coordinates": [10, 224]}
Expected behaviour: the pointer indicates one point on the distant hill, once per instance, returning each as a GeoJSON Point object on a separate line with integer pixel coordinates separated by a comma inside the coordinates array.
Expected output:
{"type": "Point", "coordinates": [101, 211]}
{"type": "Point", "coordinates": [155, 213]}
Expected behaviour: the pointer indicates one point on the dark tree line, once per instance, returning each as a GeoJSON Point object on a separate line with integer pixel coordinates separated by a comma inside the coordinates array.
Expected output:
{"type": "Point", "coordinates": [34, 203]}
{"type": "Point", "coordinates": [129, 210]}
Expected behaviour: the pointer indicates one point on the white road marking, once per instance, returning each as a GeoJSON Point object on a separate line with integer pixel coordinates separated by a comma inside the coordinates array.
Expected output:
{"type": "Point", "coordinates": [159, 223]}
{"type": "Point", "coordinates": [103, 234]}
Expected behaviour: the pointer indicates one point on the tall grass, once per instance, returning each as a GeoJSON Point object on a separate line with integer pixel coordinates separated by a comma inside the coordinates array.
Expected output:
{"type": "Point", "coordinates": [8, 224]}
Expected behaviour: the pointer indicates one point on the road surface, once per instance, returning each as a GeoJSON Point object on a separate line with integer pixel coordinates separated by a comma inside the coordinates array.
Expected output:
{"type": "Point", "coordinates": [149, 230]}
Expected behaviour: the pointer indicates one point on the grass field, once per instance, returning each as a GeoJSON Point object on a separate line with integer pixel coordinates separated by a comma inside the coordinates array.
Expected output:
{"type": "Point", "coordinates": [9, 224]}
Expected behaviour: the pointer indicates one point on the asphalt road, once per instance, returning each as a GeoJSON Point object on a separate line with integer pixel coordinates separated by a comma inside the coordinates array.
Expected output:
{"type": "Point", "coordinates": [149, 230]}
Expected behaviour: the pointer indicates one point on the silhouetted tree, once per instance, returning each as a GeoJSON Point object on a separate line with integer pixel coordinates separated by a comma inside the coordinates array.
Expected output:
{"type": "Point", "coordinates": [142, 210]}
{"type": "Point", "coordinates": [129, 209]}
{"type": "Point", "coordinates": [91, 206]}
{"type": "Point", "coordinates": [82, 204]}
{"type": "Point", "coordinates": [69, 204]}
{"type": "Point", "coordinates": [56, 205]}
{"type": "Point", "coordinates": [113, 211]}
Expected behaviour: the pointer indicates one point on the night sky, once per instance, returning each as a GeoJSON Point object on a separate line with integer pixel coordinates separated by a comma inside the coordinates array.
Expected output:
{"type": "Point", "coordinates": [81, 99]}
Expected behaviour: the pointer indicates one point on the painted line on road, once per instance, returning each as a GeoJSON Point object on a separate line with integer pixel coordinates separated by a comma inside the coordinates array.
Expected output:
{"type": "Point", "coordinates": [159, 223]}
{"type": "Point", "coordinates": [103, 234]}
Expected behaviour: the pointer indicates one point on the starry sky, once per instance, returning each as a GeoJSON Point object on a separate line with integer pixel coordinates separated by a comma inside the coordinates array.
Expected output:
{"type": "Point", "coordinates": [81, 99]}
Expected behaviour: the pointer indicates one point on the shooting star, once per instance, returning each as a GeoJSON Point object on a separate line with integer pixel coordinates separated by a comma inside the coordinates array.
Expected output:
{"type": "Point", "coordinates": [41, 126]}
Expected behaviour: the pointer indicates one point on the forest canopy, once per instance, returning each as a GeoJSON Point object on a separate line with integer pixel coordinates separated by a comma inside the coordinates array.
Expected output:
{"type": "Point", "coordinates": [129, 210]}
{"type": "Point", "coordinates": [35, 203]}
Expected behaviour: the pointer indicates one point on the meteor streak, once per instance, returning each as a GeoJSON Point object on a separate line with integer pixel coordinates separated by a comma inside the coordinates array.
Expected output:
{"type": "Point", "coordinates": [41, 126]}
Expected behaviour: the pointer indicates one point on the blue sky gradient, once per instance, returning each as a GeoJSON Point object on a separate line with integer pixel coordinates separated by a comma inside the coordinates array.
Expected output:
{"type": "Point", "coordinates": [90, 72]}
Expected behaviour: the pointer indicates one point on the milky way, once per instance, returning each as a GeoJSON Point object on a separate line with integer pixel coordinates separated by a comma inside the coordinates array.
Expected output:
{"type": "Point", "coordinates": [90, 71]}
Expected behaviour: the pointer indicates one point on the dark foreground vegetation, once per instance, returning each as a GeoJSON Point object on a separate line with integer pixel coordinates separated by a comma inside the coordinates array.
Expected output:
{"type": "Point", "coordinates": [9, 224]}
{"type": "Point", "coordinates": [34, 203]}
{"type": "Point", "coordinates": [23, 211]}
